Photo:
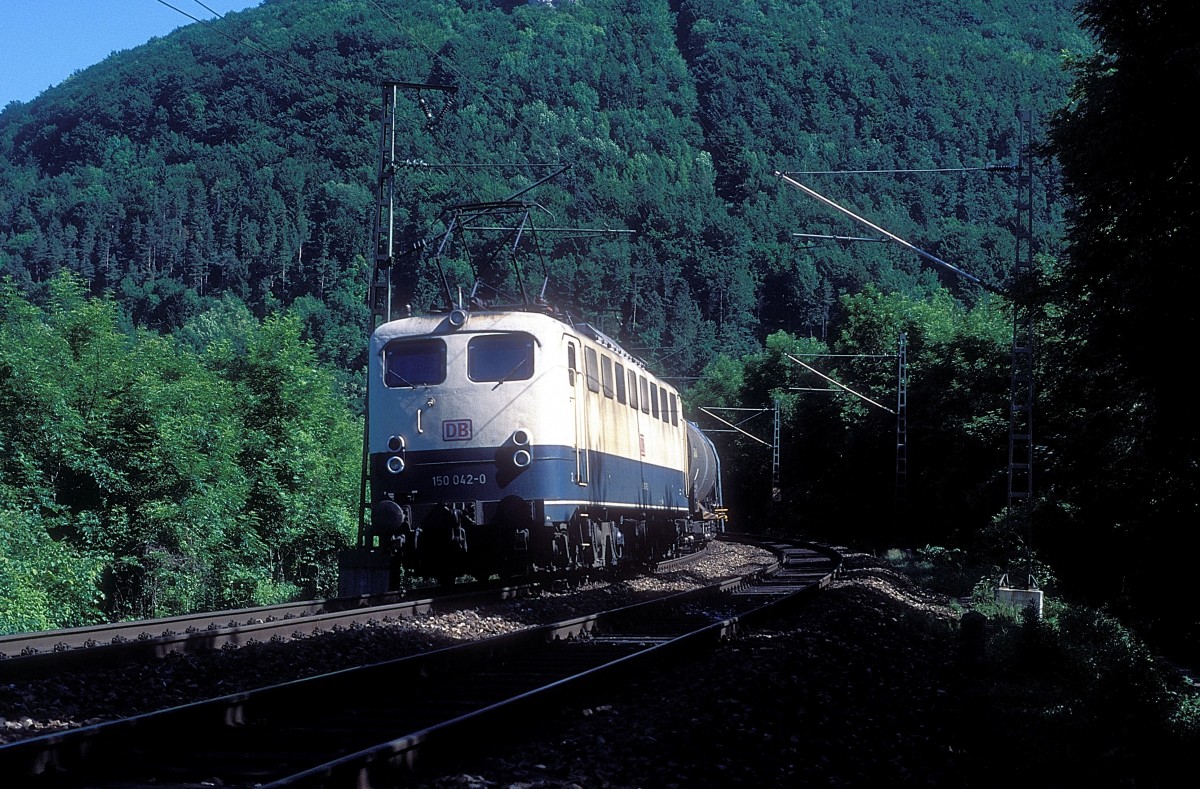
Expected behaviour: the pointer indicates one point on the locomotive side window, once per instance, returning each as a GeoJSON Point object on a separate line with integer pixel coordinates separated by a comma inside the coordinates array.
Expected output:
{"type": "Point", "coordinates": [633, 398]}
{"type": "Point", "coordinates": [412, 363]}
{"type": "Point", "coordinates": [662, 398]}
{"type": "Point", "coordinates": [674, 410]}
{"type": "Point", "coordinates": [500, 357]}
{"type": "Point", "coordinates": [645, 394]}
{"type": "Point", "coordinates": [593, 374]}
{"type": "Point", "coordinates": [572, 364]}
{"type": "Point", "coordinates": [620, 376]}
{"type": "Point", "coordinates": [654, 400]}
{"type": "Point", "coordinates": [606, 376]}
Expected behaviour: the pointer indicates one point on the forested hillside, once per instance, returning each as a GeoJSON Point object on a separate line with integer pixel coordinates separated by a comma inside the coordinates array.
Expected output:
{"type": "Point", "coordinates": [239, 156]}
{"type": "Point", "coordinates": [187, 203]}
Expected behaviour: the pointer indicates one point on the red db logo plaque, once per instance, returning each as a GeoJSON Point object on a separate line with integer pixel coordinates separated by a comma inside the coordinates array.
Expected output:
{"type": "Point", "coordinates": [456, 430]}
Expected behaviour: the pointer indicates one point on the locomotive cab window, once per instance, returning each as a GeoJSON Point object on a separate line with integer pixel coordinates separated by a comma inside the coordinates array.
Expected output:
{"type": "Point", "coordinates": [413, 363]}
{"type": "Point", "coordinates": [500, 357]}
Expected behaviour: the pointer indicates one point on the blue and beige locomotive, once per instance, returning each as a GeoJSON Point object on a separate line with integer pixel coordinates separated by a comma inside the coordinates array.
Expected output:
{"type": "Point", "coordinates": [511, 441]}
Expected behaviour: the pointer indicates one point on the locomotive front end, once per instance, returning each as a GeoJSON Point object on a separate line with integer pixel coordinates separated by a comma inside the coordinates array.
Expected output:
{"type": "Point", "coordinates": [460, 441]}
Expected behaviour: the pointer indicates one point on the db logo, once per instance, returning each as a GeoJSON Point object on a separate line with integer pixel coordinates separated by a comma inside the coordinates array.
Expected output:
{"type": "Point", "coordinates": [456, 430]}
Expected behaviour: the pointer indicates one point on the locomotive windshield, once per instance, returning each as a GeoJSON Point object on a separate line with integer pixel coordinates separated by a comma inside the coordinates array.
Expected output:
{"type": "Point", "coordinates": [500, 357]}
{"type": "Point", "coordinates": [413, 363]}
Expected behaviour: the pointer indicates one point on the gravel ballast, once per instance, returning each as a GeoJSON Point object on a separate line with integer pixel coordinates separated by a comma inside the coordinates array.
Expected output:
{"type": "Point", "coordinates": [73, 699]}
{"type": "Point", "coordinates": [855, 689]}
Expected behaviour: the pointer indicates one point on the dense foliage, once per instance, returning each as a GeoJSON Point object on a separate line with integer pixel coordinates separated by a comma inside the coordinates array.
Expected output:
{"type": "Point", "coordinates": [838, 406]}
{"type": "Point", "coordinates": [1121, 491]}
{"type": "Point", "coordinates": [144, 474]}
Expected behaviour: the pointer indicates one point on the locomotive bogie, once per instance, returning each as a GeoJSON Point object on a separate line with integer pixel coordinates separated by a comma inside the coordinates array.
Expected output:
{"type": "Point", "coordinates": [508, 440]}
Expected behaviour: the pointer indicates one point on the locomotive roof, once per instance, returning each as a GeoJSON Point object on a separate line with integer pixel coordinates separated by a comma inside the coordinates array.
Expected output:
{"type": "Point", "coordinates": [439, 323]}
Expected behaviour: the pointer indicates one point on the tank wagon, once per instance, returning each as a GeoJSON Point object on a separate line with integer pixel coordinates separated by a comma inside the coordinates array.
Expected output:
{"type": "Point", "coordinates": [511, 441]}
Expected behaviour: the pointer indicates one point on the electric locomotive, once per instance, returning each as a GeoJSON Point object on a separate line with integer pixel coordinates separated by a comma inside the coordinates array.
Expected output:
{"type": "Point", "coordinates": [508, 441]}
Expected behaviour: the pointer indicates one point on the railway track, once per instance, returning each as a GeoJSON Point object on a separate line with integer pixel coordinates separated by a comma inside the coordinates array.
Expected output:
{"type": "Point", "coordinates": [360, 726]}
{"type": "Point", "coordinates": [31, 655]}
{"type": "Point", "coordinates": [25, 656]}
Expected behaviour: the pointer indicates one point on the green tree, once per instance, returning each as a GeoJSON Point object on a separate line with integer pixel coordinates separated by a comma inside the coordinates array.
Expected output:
{"type": "Point", "coordinates": [959, 373]}
{"type": "Point", "coordinates": [301, 452]}
{"type": "Point", "coordinates": [1123, 429]}
{"type": "Point", "coordinates": [45, 583]}
{"type": "Point", "coordinates": [838, 448]}
{"type": "Point", "coordinates": [146, 475]}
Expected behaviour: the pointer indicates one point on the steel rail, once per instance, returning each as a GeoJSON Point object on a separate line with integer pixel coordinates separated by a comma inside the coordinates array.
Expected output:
{"type": "Point", "coordinates": [29, 655]}
{"type": "Point", "coordinates": [361, 727]}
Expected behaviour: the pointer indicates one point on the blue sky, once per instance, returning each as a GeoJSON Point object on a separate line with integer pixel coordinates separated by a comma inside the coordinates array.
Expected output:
{"type": "Point", "coordinates": [45, 41]}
